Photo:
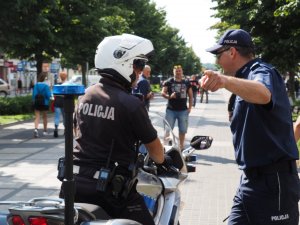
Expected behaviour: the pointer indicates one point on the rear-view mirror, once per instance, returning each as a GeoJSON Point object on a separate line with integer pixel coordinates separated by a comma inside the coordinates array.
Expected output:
{"type": "Point", "coordinates": [201, 142]}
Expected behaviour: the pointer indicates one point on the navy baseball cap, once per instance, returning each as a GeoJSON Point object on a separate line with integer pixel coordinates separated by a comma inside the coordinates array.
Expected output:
{"type": "Point", "coordinates": [236, 37]}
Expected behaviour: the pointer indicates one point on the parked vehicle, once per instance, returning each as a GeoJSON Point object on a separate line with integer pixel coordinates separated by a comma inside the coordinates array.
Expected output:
{"type": "Point", "coordinates": [160, 189]}
{"type": "Point", "coordinates": [4, 88]}
{"type": "Point", "coordinates": [90, 79]}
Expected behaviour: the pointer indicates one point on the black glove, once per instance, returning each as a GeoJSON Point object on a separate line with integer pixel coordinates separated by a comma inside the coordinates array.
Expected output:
{"type": "Point", "coordinates": [166, 168]}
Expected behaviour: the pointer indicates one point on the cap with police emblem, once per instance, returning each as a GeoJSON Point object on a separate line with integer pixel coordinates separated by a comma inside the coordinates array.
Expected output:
{"type": "Point", "coordinates": [235, 37]}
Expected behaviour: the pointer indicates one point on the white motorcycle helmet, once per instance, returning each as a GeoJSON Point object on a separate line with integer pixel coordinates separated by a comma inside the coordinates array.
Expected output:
{"type": "Point", "coordinates": [115, 56]}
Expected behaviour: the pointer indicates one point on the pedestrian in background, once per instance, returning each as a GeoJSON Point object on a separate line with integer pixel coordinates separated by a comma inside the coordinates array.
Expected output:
{"type": "Point", "coordinates": [195, 88]}
{"type": "Point", "coordinates": [202, 92]}
{"type": "Point", "coordinates": [177, 90]}
{"type": "Point", "coordinates": [263, 137]}
{"type": "Point", "coordinates": [59, 105]}
{"type": "Point", "coordinates": [42, 90]}
{"type": "Point", "coordinates": [19, 86]}
{"type": "Point", "coordinates": [296, 87]}
{"type": "Point", "coordinates": [143, 86]}
{"type": "Point", "coordinates": [31, 84]}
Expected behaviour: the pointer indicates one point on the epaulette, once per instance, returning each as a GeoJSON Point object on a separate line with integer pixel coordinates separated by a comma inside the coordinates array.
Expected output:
{"type": "Point", "coordinates": [255, 65]}
{"type": "Point", "coordinates": [261, 64]}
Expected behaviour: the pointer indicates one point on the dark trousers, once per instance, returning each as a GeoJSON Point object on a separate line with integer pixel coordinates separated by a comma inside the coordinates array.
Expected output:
{"type": "Point", "coordinates": [266, 199]}
{"type": "Point", "coordinates": [194, 97]}
{"type": "Point", "coordinates": [132, 208]}
{"type": "Point", "coordinates": [201, 96]}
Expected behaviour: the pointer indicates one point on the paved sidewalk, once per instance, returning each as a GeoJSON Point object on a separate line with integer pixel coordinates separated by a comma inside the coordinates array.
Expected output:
{"type": "Point", "coordinates": [207, 194]}
{"type": "Point", "coordinates": [28, 165]}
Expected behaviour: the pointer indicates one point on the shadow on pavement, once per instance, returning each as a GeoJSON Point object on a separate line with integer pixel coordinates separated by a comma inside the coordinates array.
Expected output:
{"type": "Point", "coordinates": [215, 159]}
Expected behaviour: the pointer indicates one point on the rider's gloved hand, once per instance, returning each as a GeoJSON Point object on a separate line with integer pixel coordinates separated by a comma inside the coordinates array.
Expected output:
{"type": "Point", "coordinates": [168, 160]}
{"type": "Point", "coordinates": [166, 168]}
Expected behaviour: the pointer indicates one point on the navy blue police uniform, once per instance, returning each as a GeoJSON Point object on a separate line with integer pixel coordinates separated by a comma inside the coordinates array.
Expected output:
{"type": "Point", "coordinates": [266, 151]}
{"type": "Point", "coordinates": [143, 87]}
{"type": "Point", "coordinates": [109, 122]}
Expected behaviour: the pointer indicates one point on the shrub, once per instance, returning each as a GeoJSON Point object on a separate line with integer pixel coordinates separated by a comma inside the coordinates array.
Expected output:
{"type": "Point", "coordinates": [16, 105]}
{"type": "Point", "coordinates": [155, 88]}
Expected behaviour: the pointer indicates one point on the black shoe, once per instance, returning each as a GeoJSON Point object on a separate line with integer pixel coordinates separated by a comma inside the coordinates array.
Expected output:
{"type": "Point", "coordinates": [55, 133]}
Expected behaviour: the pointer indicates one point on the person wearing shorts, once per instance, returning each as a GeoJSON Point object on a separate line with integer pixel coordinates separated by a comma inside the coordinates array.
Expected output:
{"type": "Point", "coordinates": [41, 88]}
{"type": "Point", "coordinates": [177, 91]}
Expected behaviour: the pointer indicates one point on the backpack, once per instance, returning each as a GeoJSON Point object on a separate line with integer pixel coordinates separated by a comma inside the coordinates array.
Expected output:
{"type": "Point", "coordinates": [39, 100]}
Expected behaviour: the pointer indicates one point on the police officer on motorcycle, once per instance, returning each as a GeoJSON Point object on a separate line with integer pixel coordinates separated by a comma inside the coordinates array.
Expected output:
{"type": "Point", "coordinates": [109, 122]}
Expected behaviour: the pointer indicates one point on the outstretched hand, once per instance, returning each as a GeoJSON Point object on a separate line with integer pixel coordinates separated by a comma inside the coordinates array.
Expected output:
{"type": "Point", "coordinates": [212, 80]}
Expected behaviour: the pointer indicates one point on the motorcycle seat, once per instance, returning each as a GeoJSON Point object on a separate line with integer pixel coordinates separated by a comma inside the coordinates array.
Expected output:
{"type": "Point", "coordinates": [112, 222]}
{"type": "Point", "coordinates": [88, 212]}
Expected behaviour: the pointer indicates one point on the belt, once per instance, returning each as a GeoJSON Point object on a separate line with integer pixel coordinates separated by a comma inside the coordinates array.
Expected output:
{"type": "Point", "coordinates": [77, 168]}
{"type": "Point", "coordinates": [95, 173]}
{"type": "Point", "coordinates": [282, 166]}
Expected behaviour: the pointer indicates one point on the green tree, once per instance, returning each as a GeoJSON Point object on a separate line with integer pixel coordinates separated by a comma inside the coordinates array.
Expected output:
{"type": "Point", "coordinates": [273, 24]}
{"type": "Point", "coordinates": [83, 25]}
{"type": "Point", "coordinates": [72, 29]}
{"type": "Point", "coordinates": [26, 31]}
{"type": "Point", "coordinates": [149, 22]}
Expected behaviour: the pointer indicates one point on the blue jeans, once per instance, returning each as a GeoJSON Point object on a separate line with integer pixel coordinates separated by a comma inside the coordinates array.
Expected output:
{"type": "Point", "coordinates": [57, 112]}
{"type": "Point", "coordinates": [182, 118]}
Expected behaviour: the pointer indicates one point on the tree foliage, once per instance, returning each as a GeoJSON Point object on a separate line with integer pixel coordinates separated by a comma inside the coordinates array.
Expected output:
{"type": "Point", "coordinates": [72, 29]}
{"type": "Point", "coordinates": [170, 48]}
{"type": "Point", "coordinates": [26, 31]}
{"type": "Point", "coordinates": [273, 24]}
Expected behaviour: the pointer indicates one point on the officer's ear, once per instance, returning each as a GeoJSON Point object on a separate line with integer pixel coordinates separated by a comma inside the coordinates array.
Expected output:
{"type": "Point", "coordinates": [233, 52]}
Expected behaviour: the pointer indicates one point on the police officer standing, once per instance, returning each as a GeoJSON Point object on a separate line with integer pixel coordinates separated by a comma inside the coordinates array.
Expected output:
{"type": "Point", "coordinates": [109, 122]}
{"type": "Point", "coordinates": [262, 128]}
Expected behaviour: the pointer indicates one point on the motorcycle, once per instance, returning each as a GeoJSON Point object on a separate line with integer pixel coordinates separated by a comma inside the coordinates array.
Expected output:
{"type": "Point", "coordinates": [160, 188]}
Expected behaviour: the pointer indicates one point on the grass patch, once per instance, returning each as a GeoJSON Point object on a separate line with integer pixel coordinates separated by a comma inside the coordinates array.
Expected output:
{"type": "Point", "coordinates": [7, 119]}
{"type": "Point", "coordinates": [155, 88]}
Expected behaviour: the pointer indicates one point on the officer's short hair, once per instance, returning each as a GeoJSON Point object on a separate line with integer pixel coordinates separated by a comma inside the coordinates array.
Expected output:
{"type": "Point", "coordinates": [245, 51]}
